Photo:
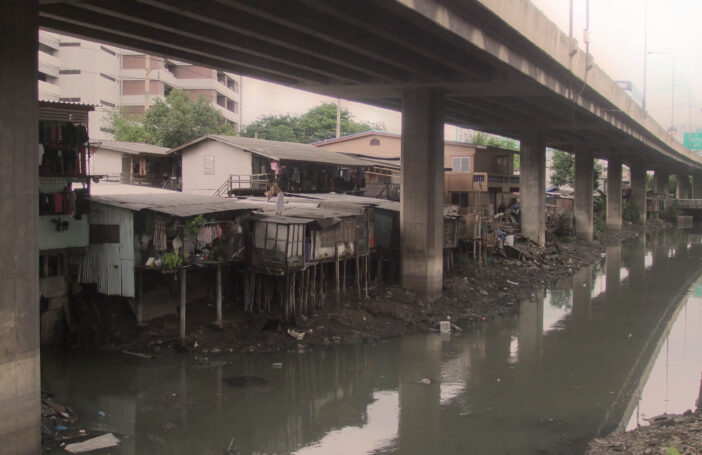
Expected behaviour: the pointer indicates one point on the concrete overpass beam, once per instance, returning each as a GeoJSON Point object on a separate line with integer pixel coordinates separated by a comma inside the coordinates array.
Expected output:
{"type": "Point", "coordinates": [584, 168]}
{"type": "Point", "coordinates": [696, 186]}
{"type": "Point", "coordinates": [638, 190]}
{"type": "Point", "coordinates": [660, 182]}
{"type": "Point", "coordinates": [614, 194]}
{"type": "Point", "coordinates": [532, 188]}
{"type": "Point", "coordinates": [682, 187]}
{"type": "Point", "coordinates": [421, 215]}
{"type": "Point", "coordinates": [20, 408]}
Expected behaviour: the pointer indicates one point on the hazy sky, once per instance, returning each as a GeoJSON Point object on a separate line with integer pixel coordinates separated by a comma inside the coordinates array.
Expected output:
{"type": "Point", "coordinates": [617, 46]}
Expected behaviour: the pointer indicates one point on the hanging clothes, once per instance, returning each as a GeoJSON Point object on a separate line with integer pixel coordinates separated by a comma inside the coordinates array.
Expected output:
{"type": "Point", "coordinates": [142, 166]}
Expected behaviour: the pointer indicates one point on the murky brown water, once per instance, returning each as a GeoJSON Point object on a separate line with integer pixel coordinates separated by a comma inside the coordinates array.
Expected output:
{"type": "Point", "coordinates": [619, 342]}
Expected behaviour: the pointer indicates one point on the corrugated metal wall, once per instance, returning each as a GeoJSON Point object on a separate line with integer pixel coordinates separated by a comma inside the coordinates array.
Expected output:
{"type": "Point", "coordinates": [111, 265]}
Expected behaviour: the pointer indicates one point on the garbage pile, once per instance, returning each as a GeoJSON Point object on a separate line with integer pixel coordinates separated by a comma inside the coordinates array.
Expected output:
{"type": "Point", "coordinates": [61, 429]}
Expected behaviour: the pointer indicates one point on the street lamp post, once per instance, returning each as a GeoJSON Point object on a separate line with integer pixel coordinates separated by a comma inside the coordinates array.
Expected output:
{"type": "Point", "coordinates": [672, 85]}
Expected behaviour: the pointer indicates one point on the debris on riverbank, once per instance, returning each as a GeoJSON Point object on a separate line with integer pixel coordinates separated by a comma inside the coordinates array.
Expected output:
{"type": "Point", "coordinates": [472, 294]}
{"type": "Point", "coordinates": [667, 434]}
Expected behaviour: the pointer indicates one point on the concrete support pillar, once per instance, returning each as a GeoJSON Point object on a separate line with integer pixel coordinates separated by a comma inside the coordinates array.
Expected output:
{"type": "Point", "coordinates": [20, 408]}
{"type": "Point", "coordinates": [696, 186]}
{"type": "Point", "coordinates": [638, 190]}
{"type": "Point", "coordinates": [584, 168]}
{"type": "Point", "coordinates": [532, 188]}
{"type": "Point", "coordinates": [660, 182]}
{"type": "Point", "coordinates": [614, 194]}
{"type": "Point", "coordinates": [682, 187]}
{"type": "Point", "coordinates": [421, 214]}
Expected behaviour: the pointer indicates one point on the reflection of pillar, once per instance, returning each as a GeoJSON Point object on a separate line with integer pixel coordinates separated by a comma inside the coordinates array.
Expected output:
{"type": "Point", "coordinates": [636, 262]}
{"type": "Point", "coordinates": [421, 215]}
{"type": "Point", "coordinates": [614, 194]}
{"type": "Point", "coordinates": [530, 329]}
{"type": "Point", "coordinates": [582, 296]}
{"type": "Point", "coordinates": [532, 188]}
{"type": "Point", "coordinates": [420, 408]}
{"type": "Point", "coordinates": [638, 190]}
{"type": "Point", "coordinates": [20, 426]}
{"type": "Point", "coordinates": [612, 272]}
{"type": "Point", "coordinates": [584, 165]}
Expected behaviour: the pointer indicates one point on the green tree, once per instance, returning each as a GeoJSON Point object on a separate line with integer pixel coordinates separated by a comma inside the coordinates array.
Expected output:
{"type": "Point", "coordinates": [171, 122]}
{"type": "Point", "coordinates": [315, 125]}
{"type": "Point", "coordinates": [563, 169]}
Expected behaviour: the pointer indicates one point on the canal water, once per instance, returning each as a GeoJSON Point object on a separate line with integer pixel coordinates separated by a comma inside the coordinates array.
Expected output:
{"type": "Point", "coordinates": [618, 343]}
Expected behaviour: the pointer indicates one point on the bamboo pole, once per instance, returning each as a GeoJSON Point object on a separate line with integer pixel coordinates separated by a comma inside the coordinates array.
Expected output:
{"type": "Point", "coordinates": [338, 283]}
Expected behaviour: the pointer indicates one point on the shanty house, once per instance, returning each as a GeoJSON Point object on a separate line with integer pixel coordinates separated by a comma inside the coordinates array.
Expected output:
{"type": "Point", "coordinates": [230, 164]}
{"type": "Point", "coordinates": [134, 163]}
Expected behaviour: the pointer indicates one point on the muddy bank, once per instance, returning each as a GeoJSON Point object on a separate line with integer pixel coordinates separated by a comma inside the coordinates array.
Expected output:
{"type": "Point", "coordinates": [473, 293]}
{"type": "Point", "coordinates": [667, 434]}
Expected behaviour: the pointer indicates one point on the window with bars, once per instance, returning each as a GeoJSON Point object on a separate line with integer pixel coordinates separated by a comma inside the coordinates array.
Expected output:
{"type": "Point", "coordinates": [460, 164]}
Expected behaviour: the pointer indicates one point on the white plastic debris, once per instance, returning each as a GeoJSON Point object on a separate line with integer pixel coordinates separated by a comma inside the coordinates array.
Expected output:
{"type": "Point", "coordinates": [101, 442]}
{"type": "Point", "coordinates": [445, 326]}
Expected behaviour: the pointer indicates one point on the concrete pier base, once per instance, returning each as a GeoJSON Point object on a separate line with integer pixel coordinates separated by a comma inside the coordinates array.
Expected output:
{"type": "Point", "coordinates": [682, 187]}
{"type": "Point", "coordinates": [421, 215]}
{"type": "Point", "coordinates": [660, 182]}
{"type": "Point", "coordinates": [532, 188]}
{"type": "Point", "coordinates": [696, 186]}
{"type": "Point", "coordinates": [20, 408]}
{"type": "Point", "coordinates": [614, 194]}
{"type": "Point", "coordinates": [584, 168]}
{"type": "Point", "coordinates": [638, 190]}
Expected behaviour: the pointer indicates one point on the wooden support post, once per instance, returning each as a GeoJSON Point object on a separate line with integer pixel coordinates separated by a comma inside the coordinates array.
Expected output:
{"type": "Point", "coordinates": [183, 302]}
{"type": "Point", "coordinates": [343, 285]}
{"type": "Point", "coordinates": [307, 287]}
{"type": "Point", "coordinates": [286, 306]}
{"type": "Point", "coordinates": [140, 297]}
{"type": "Point", "coordinates": [292, 293]}
{"type": "Point", "coordinates": [358, 273]}
{"type": "Point", "coordinates": [367, 271]}
{"type": "Point", "coordinates": [338, 282]}
{"type": "Point", "coordinates": [379, 276]}
{"type": "Point", "coordinates": [219, 295]}
{"type": "Point", "coordinates": [321, 284]}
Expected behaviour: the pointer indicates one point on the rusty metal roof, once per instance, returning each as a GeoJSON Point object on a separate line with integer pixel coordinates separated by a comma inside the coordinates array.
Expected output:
{"type": "Point", "coordinates": [277, 150]}
{"type": "Point", "coordinates": [176, 204]}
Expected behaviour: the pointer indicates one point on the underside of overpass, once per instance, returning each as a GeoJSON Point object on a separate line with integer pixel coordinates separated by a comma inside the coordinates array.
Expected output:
{"type": "Point", "coordinates": [494, 65]}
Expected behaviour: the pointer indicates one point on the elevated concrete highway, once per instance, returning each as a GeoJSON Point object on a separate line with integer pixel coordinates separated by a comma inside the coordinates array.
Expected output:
{"type": "Point", "coordinates": [496, 65]}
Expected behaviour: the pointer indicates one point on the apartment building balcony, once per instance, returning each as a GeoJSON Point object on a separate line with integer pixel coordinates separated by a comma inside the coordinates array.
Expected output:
{"type": "Point", "coordinates": [49, 64]}
{"type": "Point", "coordinates": [49, 92]}
{"type": "Point", "coordinates": [229, 115]}
{"type": "Point", "coordinates": [49, 40]}
{"type": "Point", "coordinates": [207, 84]}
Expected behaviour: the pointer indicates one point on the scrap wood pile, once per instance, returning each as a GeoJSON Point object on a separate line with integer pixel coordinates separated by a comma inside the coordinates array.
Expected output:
{"type": "Point", "coordinates": [559, 224]}
{"type": "Point", "coordinates": [61, 429]}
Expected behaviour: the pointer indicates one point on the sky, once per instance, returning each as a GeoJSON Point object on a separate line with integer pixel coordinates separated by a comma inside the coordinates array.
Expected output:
{"type": "Point", "coordinates": [674, 31]}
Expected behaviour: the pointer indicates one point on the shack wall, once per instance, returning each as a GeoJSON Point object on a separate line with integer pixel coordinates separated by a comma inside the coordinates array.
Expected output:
{"type": "Point", "coordinates": [75, 236]}
{"type": "Point", "coordinates": [207, 165]}
{"type": "Point", "coordinates": [111, 265]}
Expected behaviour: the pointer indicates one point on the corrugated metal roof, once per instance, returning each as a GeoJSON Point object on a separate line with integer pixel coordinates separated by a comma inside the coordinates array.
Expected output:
{"type": "Point", "coordinates": [133, 148]}
{"type": "Point", "coordinates": [177, 204]}
{"type": "Point", "coordinates": [276, 150]}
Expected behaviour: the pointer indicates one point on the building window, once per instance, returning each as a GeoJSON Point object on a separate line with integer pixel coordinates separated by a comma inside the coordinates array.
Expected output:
{"type": "Point", "coordinates": [209, 165]}
{"type": "Point", "coordinates": [459, 199]}
{"type": "Point", "coordinates": [47, 78]}
{"type": "Point", "coordinates": [70, 100]}
{"type": "Point", "coordinates": [46, 49]}
{"type": "Point", "coordinates": [108, 50]}
{"type": "Point", "coordinates": [69, 71]}
{"type": "Point", "coordinates": [108, 77]}
{"type": "Point", "coordinates": [460, 164]}
{"type": "Point", "coordinates": [501, 160]}
{"type": "Point", "coordinates": [69, 44]}
{"type": "Point", "coordinates": [107, 103]}
{"type": "Point", "coordinates": [375, 141]}
{"type": "Point", "coordinates": [104, 233]}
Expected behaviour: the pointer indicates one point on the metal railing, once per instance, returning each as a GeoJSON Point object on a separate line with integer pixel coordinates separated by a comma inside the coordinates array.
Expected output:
{"type": "Point", "coordinates": [503, 179]}
{"type": "Point", "coordinates": [390, 191]}
{"type": "Point", "coordinates": [238, 182]}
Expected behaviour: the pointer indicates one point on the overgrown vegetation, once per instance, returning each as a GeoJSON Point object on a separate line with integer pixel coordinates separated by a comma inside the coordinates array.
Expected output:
{"type": "Point", "coordinates": [171, 122]}
{"type": "Point", "coordinates": [315, 125]}
{"type": "Point", "coordinates": [630, 212]}
{"type": "Point", "coordinates": [563, 170]}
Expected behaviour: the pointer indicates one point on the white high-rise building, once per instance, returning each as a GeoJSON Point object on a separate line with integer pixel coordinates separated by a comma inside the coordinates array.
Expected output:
{"type": "Point", "coordinates": [80, 71]}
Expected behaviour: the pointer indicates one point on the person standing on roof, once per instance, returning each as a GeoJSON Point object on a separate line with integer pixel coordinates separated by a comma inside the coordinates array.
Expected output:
{"type": "Point", "coordinates": [273, 190]}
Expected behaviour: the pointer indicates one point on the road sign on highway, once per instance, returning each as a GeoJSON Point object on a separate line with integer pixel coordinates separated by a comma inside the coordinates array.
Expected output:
{"type": "Point", "coordinates": [693, 141]}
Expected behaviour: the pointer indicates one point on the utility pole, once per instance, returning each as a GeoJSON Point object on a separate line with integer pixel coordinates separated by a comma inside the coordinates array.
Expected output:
{"type": "Point", "coordinates": [643, 100]}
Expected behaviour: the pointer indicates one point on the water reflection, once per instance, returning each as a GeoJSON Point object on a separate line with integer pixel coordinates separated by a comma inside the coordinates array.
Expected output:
{"type": "Point", "coordinates": [605, 349]}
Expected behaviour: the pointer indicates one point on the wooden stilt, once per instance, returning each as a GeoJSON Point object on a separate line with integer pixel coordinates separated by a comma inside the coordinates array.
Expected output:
{"type": "Point", "coordinates": [183, 303]}
{"type": "Point", "coordinates": [358, 273]}
{"type": "Point", "coordinates": [219, 295]}
{"type": "Point", "coordinates": [338, 282]}
{"type": "Point", "coordinates": [379, 276]}
{"type": "Point", "coordinates": [343, 284]}
{"type": "Point", "coordinates": [367, 272]}
{"type": "Point", "coordinates": [140, 297]}
{"type": "Point", "coordinates": [307, 287]}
